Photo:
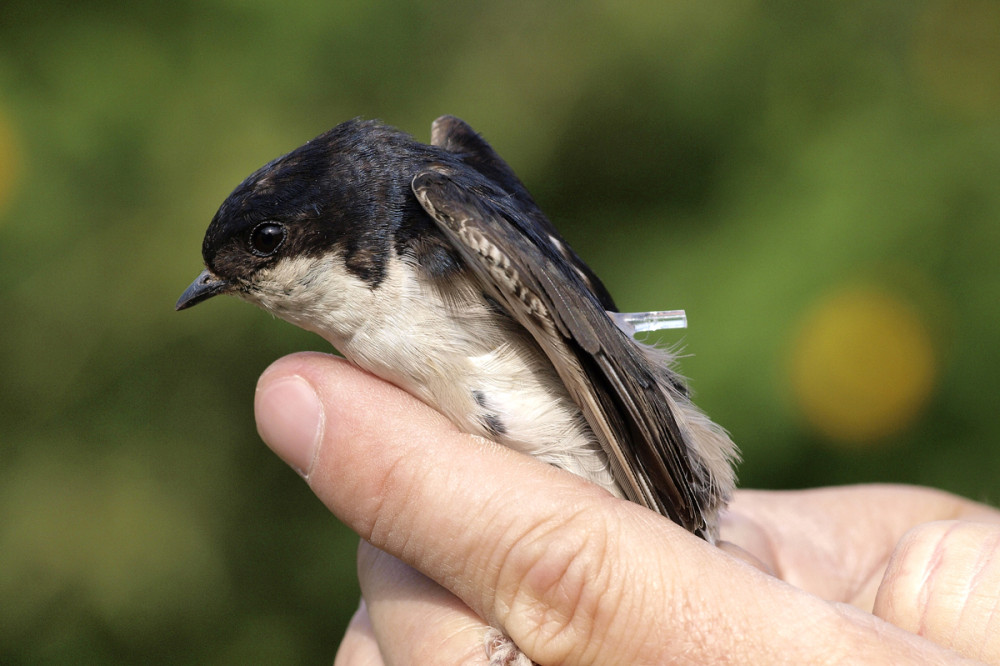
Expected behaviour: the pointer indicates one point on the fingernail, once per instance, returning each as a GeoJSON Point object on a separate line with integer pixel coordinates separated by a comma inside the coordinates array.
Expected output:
{"type": "Point", "coordinates": [290, 421]}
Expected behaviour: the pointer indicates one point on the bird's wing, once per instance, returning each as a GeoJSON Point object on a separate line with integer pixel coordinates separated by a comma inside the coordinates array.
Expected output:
{"type": "Point", "coordinates": [455, 136]}
{"type": "Point", "coordinates": [642, 421]}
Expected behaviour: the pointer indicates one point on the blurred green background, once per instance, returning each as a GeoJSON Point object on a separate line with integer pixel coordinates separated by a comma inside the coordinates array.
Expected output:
{"type": "Point", "coordinates": [817, 184]}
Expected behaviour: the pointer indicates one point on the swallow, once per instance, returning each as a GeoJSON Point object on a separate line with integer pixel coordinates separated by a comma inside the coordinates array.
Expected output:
{"type": "Point", "coordinates": [432, 267]}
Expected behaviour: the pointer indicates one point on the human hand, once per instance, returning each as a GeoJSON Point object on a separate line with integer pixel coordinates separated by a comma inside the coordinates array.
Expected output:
{"type": "Point", "coordinates": [459, 534]}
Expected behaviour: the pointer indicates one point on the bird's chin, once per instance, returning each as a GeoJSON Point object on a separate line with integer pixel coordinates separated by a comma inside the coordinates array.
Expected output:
{"type": "Point", "coordinates": [281, 307]}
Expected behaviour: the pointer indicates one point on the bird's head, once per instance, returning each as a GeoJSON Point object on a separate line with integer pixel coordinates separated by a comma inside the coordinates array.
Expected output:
{"type": "Point", "coordinates": [319, 223]}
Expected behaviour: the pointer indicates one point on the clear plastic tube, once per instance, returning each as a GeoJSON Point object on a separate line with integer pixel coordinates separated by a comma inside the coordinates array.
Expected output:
{"type": "Point", "coordinates": [641, 322]}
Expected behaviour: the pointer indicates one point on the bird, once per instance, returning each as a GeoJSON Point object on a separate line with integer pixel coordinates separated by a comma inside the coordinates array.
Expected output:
{"type": "Point", "coordinates": [432, 267]}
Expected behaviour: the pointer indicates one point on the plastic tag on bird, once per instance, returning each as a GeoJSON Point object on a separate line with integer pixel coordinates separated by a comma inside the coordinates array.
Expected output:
{"type": "Point", "coordinates": [642, 322]}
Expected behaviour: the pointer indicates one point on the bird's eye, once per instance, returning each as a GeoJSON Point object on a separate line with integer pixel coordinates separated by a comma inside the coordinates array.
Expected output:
{"type": "Point", "coordinates": [266, 238]}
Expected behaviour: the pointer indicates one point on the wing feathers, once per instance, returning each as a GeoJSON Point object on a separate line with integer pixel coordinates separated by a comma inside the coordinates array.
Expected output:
{"type": "Point", "coordinates": [626, 403]}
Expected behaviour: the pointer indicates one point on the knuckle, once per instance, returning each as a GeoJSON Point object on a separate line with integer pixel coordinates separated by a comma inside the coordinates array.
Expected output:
{"type": "Point", "coordinates": [554, 585]}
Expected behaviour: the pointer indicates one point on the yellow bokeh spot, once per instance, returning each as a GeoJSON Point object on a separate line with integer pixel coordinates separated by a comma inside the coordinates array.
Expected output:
{"type": "Point", "coordinates": [9, 162]}
{"type": "Point", "coordinates": [863, 366]}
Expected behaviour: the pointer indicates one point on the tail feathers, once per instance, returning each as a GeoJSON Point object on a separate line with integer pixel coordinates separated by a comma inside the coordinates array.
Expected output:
{"type": "Point", "coordinates": [708, 443]}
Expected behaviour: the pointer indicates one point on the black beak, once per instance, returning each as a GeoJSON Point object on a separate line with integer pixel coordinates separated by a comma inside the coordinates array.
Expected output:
{"type": "Point", "coordinates": [204, 287]}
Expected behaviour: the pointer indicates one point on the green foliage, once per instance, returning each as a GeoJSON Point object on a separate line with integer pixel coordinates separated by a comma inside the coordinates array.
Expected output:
{"type": "Point", "coordinates": [741, 160]}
